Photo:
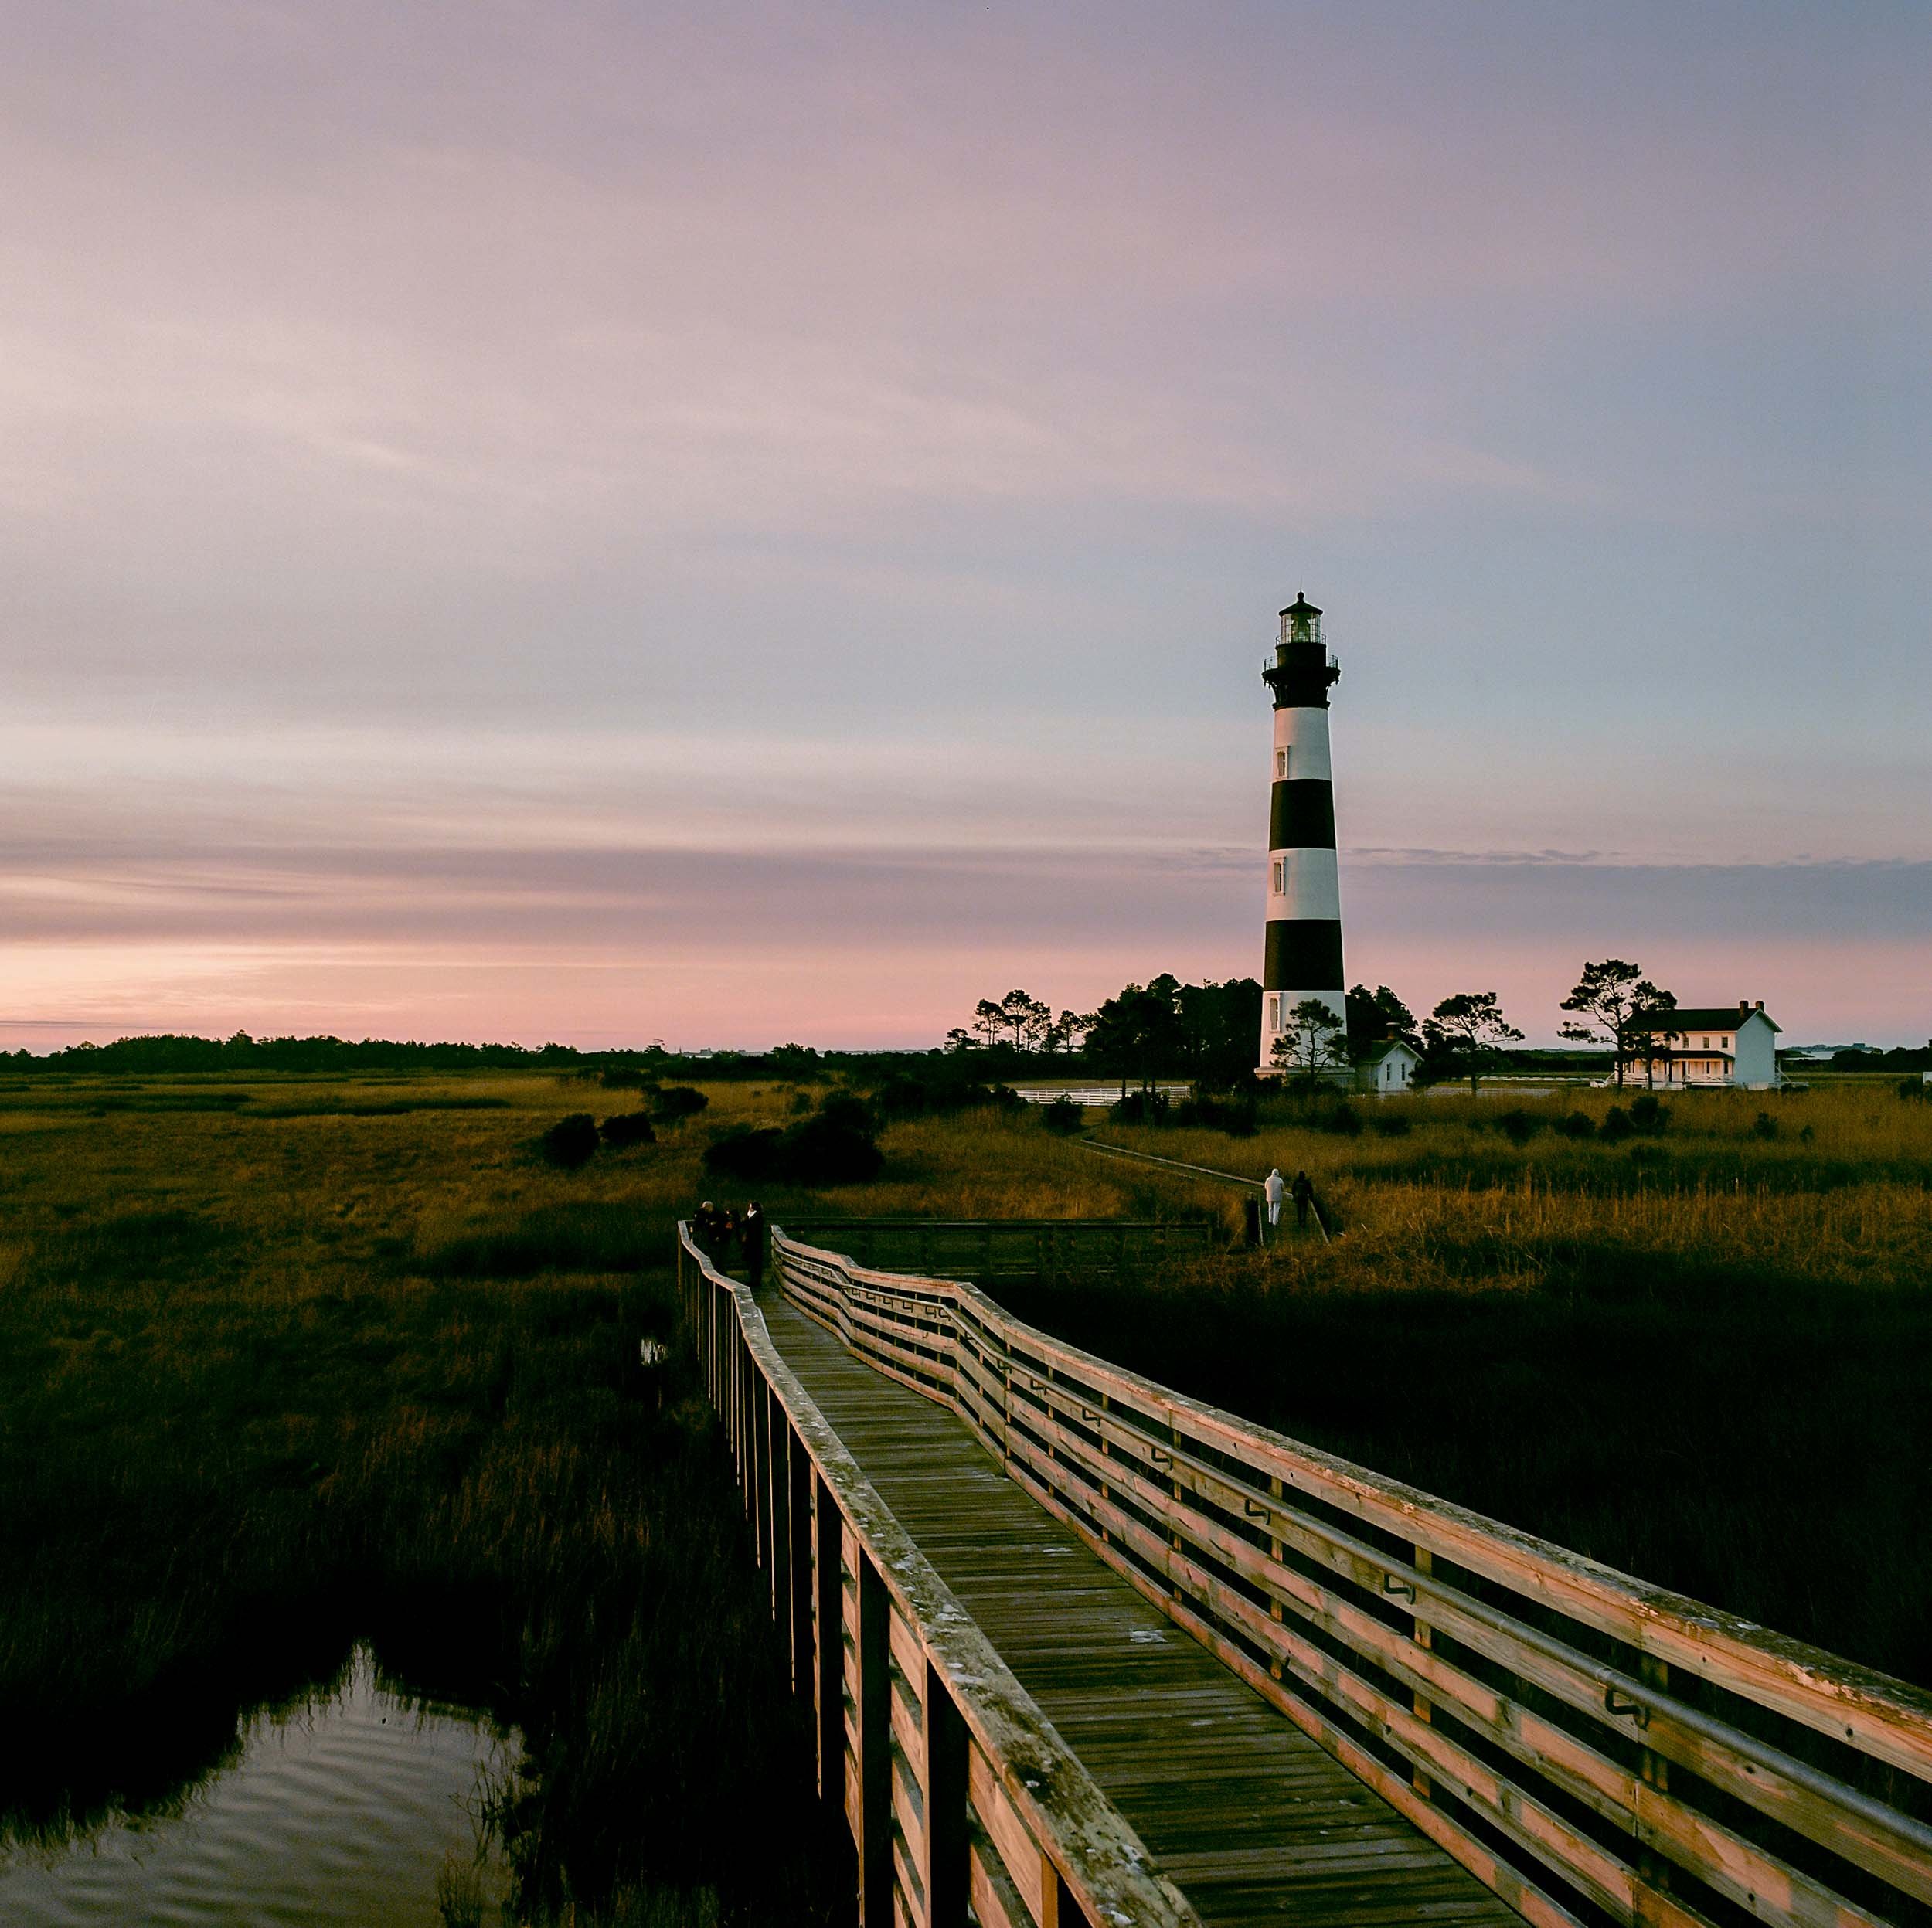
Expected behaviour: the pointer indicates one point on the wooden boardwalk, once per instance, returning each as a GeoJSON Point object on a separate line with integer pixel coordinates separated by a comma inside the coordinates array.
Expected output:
{"type": "Point", "coordinates": [1248, 1816]}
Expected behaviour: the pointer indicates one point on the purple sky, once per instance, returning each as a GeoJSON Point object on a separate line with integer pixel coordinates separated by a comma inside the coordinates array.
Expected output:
{"type": "Point", "coordinates": [728, 523]}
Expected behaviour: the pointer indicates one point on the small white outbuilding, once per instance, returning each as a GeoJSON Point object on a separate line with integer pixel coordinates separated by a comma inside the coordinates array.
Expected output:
{"type": "Point", "coordinates": [1386, 1070]}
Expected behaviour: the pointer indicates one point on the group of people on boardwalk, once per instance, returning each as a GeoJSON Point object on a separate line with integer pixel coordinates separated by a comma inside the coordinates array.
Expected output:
{"type": "Point", "coordinates": [1302, 1191]}
{"type": "Point", "coordinates": [719, 1230]}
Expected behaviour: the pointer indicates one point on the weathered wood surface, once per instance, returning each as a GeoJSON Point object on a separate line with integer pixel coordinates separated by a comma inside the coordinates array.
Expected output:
{"type": "Point", "coordinates": [957, 1790]}
{"type": "Point", "coordinates": [1589, 1747]}
{"type": "Point", "coordinates": [1247, 1816]}
{"type": "Point", "coordinates": [990, 1249]}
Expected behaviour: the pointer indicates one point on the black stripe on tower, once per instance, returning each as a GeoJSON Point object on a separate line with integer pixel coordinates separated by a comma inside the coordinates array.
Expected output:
{"type": "Point", "coordinates": [1304, 954]}
{"type": "Point", "coordinates": [1302, 815]}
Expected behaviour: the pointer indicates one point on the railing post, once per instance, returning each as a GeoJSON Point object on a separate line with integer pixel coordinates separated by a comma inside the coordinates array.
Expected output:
{"type": "Point", "coordinates": [944, 1781]}
{"type": "Point", "coordinates": [778, 1507]}
{"type": "Point", "coordinates": [829, 1647]}
{"type": "Point", "coordinates": [1424, 1561]}
{"type": "Point", "coordinates": [799, 1604]}
{"type": "Point", "coordinates": [873, 1828]}
{"type": "Point", "coordinates": [1653, 1870]}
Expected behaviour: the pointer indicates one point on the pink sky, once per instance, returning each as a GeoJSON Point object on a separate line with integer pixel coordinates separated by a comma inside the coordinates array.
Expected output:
{"type": "Point", "coordinates": [746, 522]}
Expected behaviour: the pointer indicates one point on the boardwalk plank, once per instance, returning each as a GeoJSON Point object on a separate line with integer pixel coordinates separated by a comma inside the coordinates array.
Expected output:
{"type": "Point", "coordinates": [1251, 1819]}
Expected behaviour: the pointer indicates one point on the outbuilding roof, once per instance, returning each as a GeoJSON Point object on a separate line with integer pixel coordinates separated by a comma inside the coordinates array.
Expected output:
{"type": "Point", "coordinates": [1375, 1053]}
{"type": "Point", "coordinates": [1701, 1018]}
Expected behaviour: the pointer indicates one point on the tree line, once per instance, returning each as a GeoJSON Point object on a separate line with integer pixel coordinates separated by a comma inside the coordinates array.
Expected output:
{"type": "Point", "coordinates": [1207, 1032]}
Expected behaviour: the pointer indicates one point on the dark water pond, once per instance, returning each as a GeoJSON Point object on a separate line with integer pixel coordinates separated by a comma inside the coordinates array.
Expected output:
{"type": "Point", "coordinates": [354, 1806]}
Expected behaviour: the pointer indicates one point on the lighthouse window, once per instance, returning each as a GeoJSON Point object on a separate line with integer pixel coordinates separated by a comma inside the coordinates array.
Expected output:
{"type": "Point", "coordinates": [1277, 877]}
{"type": "Point", "coordinates": [1274, 1013]}
{"type": "Point", "coordinates": [1281, 766]}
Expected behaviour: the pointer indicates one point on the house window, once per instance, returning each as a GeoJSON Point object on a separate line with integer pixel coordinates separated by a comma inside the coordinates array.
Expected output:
{"type": "Point", "coordinates": [1278, 884]}
{"type": "Point", "coordinates": [1280, 766]}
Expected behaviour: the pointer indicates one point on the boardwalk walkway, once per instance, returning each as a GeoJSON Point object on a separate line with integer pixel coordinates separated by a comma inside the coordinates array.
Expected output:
{"type": "Point", "coordinates": [1250, 1818]}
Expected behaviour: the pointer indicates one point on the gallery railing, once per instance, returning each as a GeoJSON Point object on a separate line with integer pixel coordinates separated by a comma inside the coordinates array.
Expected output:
{"type": "Point", "coordinates": [1593, 1748]}
{"type": "Point", "coordinates": [958, 1792]}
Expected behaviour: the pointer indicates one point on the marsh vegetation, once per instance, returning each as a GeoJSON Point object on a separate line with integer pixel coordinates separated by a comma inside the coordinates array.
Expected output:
{"type": "Point", "coordinates": [295, 1361]}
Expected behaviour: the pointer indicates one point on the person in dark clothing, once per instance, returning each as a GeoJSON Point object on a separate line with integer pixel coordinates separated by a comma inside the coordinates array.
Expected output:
{"type": "Point", "coordinates": [751, 1230]}
{"type": "Point", "coordinates": [705, 1229]}
{"type": "Point", "coordinates": [1303, 1193]}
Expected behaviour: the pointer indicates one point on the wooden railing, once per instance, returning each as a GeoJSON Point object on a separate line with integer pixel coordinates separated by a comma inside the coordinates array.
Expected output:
{"type": "Point", "coordinates": [957, 1789]}
{"type": "Point", "coordinates": [993, 1248]}
{"type": "Point", "coordinates": [1593, 1748]}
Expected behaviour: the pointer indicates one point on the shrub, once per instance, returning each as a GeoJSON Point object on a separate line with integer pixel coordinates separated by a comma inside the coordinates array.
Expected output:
{"type": "Point", "coordinates": [571, 1141]}
{"type": "Point", "coordinates": [1140, 1107]}
{"type": "Point", "coordinates": [1390, 1124]}
{"type": "Point", "coordinates": [847, 1113]}
{"type": "Point", "coordinates": [1764, 1126]}
{"type": "Point", "coordinates": [621, 1078]}
{"type": "Point", "coordinates": [1063, 1115]}
{"type": "Point", "coordinates": [1616, 1125]}
{"type": "Point", "coordinates": [1345, 1121]}
{"type": "Point", "coordinates": [677, 1101]}
{"type": "Point", "coordinates": [745, 1152]}
{"type": "Point", "coordinates": [1519, 1127]}
{"type": "Point", "coordinates": [1579, 1124]}
{"type": "Point", "coordinates": [827, 1150]}
{"type": "Point", "coordinates": [1647, 1114]}
{"type": "Point", "coordinates": [1916, 1089]}
{"type": "Point", "coordinates": [628, 1128]}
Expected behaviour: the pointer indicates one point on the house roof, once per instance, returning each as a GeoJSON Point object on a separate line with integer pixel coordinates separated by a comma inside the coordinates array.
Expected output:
{"type": "Point", "coordinates": [1700, 1017]}
{"type": "Point", "coordinates": [1375, 1053]}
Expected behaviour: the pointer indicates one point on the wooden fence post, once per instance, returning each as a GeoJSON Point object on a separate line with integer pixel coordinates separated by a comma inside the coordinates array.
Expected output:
{"type": "Point", "coordinates": [778, 1509]}
{"type": "Point", "coordinates": [798, 1511]}
{"type": "Point", "coordinates": [944, 1781]}
{"type": "Point", "coordinates": [829, 1671]}
{"type": "Point", "coordinates": [874, 1830]}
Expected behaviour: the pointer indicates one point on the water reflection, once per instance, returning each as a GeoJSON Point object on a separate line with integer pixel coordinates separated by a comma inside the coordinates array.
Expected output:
{"type": "Point", "coordinates": [344, 1808]}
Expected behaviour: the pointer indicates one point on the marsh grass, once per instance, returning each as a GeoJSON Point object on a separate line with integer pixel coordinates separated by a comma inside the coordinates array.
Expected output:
{"type": "Point", "coordinates": [273, 1383]}
{"type": "Point", "coordinates": [270, 1382]}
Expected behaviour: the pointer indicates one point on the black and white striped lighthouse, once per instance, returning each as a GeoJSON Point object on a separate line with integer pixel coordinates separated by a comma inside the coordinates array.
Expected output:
{"type": "Point", "coordinates": [1304, 955]}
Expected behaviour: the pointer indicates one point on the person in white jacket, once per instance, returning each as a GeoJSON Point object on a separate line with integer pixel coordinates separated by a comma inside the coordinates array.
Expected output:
{"type": "Point", "coordinates": [1273, 1189]}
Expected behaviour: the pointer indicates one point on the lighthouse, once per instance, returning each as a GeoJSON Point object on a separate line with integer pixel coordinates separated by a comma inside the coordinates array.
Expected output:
{"type": "Point", "coordinates": [1303, 958]}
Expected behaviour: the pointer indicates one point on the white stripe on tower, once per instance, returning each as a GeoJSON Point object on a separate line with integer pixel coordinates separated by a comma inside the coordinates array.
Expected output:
{"type": "Point", "coordinates": [1303, 958]}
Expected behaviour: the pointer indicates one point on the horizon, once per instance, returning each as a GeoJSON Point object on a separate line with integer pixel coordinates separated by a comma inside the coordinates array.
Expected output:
{"type": "Point", "coordinates": [762, 524]}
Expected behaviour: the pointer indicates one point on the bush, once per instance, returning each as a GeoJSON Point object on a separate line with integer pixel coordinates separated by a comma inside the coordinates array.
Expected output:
{"type": "Point", "coordinates": [571, 1141]}
{"type": "Point", "coordinates": [1390, 1124]}
{"type": "Point", "coordinates": [1234, 1116]}
{"type": "Point", "coordinates": [1764, 1126]}
{"type": "Point", "coordinates": [677, 1101]}
{"type": "Point", "coordinates": [1343, 1119]}
{"type": "Point", "coordinates": [1140, 1107]}
{"type": "Point", "coordinates": [904, 1095]}
{"type": "Point", "coordinates": [847, 1112]}
{"type": "Point", "coordinates": [1916, 1089]}
{"type": "Point", "coordinates": [745, 1152]}
{"type": "Point", "coordinates": [1063, 1116]}
{"type": "Point", "coordinates": [1616, 1125]}
{"type": "Point", "coordinates": [1646, 1115]}
{"type": "Point", "coordinates": [1579, 1124]}
{"type": "Point", "coordinates": [1519, 1127]}
{"type": "Point", "coordinates": [827, 1151]}
{"type": "Point", "coordinates": [621, 1078]}
{"type": "Point", "coordinates": [628, 1128]}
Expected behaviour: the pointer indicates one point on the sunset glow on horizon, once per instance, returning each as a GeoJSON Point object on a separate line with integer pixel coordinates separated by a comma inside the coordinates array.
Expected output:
{"type": "Point", "coordinates": [743, 523]}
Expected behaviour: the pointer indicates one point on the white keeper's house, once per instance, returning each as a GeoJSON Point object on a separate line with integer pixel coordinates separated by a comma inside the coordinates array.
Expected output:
{"type": "Point", "coordinates": [1734, 1045]}
{"type": "Point", "coordinates": [1386, 1070]}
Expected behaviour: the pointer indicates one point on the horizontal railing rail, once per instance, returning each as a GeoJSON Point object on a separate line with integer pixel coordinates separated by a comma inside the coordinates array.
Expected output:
{"type": "Point", "coordinates": [981, 1249]}
{"type": "Point", "coordinates": [959, 1793]}
{"type": "Point", "coordinates": [1593, 1748]}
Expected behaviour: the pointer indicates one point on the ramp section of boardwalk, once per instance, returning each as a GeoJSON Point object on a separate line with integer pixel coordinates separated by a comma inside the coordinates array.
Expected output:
{"type": "Point", "coordinates": [1588, 1748]}
{"type": "Point", "coordinates": [1250, 1819]}
{"type": "Point", "coordinates": [963, 1802]}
